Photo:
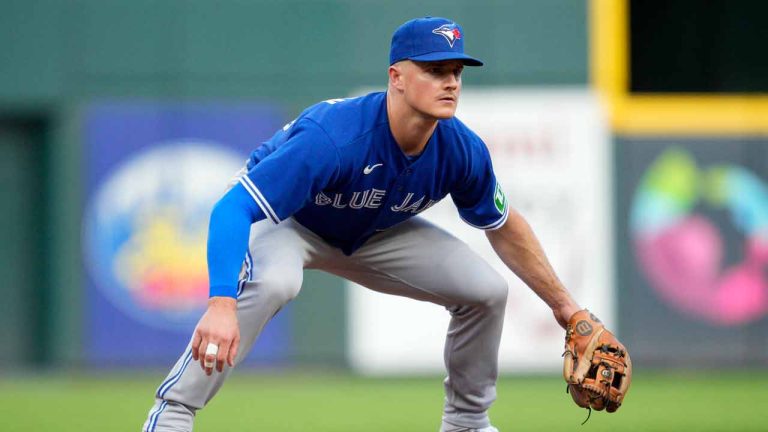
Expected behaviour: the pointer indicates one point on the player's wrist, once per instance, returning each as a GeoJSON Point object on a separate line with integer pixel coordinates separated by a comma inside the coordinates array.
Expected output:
{"type": "Point", "coordinates": [563, 311]}
{"type": "Point", "coordinates": [222, 302]}
{"type": "Point", "coordinates": [563, 302]}
{"type": "Point", "coordinates": [568, 308]}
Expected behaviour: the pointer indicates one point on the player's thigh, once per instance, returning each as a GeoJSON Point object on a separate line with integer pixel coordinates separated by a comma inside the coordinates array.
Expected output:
{"type": "Point", "coordinates": [417, 259]}
{"type": "Point", "coordinates": [275, 260]}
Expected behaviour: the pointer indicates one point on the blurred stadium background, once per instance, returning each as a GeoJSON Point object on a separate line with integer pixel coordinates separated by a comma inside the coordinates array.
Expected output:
{"type": "Point", "coordinates": [633, 135]}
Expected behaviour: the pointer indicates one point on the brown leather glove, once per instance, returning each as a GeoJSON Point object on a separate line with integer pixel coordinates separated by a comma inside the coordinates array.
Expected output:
{"type": "Point", "coordinates": [596, 365]}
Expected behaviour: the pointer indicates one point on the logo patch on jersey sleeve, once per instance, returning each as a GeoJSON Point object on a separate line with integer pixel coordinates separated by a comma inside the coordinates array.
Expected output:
{"type": "Point", "coordinates": [499, 199]}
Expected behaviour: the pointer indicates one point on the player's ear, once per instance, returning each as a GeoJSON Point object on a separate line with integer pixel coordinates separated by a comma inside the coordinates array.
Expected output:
{"type": "Point", "coordinates": [396, 76]}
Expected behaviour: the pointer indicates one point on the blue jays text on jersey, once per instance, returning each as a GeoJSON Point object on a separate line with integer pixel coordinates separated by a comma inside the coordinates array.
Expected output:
{"type": "Point", "coordinates": [339, 172]}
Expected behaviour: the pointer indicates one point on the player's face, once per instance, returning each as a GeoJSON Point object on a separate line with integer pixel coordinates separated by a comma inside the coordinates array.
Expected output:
{"type": "Point", "coordinates": [433, 88]}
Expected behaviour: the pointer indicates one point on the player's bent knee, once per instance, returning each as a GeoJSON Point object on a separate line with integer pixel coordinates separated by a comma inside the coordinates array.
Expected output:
{"type": "Point", "coordinates": [496, 289]}
{"type": "Point", "coordinates": [486, 290]}
{"type": "Point", "coordinates": [500, 291]}
{"type": "Point", "coordinates": [279, 288]}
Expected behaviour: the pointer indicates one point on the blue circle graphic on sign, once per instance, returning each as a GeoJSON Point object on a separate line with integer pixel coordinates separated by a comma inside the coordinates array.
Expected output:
{"type": "Point", "coordinates": [145, 230]}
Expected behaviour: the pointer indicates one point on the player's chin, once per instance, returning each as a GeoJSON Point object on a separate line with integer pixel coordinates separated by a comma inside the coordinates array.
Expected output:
{"type": "Point", "coordinates": [444, 112]}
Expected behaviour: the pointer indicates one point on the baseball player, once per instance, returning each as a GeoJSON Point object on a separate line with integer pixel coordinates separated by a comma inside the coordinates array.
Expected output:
{"type": "Point", "coordinates": [340, 189]}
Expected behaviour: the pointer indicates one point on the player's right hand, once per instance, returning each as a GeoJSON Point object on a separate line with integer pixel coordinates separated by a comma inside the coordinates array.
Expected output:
{"type": "Point", "coordinates": [218, 326]}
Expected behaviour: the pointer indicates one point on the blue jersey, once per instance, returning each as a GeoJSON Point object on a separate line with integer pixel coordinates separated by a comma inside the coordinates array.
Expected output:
{"type": "Point", "coordinates": [339, 172]}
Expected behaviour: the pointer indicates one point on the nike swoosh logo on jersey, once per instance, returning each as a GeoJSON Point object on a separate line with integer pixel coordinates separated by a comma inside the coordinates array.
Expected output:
{"type": "Point", "coordinates": [369, 168]}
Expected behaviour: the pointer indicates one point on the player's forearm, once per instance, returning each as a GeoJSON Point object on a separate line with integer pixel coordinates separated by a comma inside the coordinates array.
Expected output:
{"type": "Point", "coordinates": [228, 234]}
{"type": "Point", "coordinates": [517, 246]}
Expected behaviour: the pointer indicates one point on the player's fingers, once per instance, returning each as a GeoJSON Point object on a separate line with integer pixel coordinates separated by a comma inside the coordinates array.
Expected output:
{"type": "Point", "coordinates": [233, 351]}
{"type": "Point", "coordinates": [221, 356]}
{"type": "Point", "coordinates": [201, 352]}
{"type": "Point", "coordinates": [196, 339]}
{"type": "Point", "coordinates": [211, 352]}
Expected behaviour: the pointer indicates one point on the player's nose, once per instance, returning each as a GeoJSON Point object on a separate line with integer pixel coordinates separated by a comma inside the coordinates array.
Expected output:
{"type": "Point", "coordinates": [451, 82]}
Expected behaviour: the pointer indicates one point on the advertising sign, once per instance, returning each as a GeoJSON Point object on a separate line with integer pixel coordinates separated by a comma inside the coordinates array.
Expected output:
{"type": "Point", "coordinates": [693, 225]}
{"type": "Point", "coordinates": [153, 173]}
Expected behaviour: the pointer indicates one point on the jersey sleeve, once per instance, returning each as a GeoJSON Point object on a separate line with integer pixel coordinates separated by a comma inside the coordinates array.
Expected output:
{"type": "Point", "coordinates": [228, 230]}
{"type": "Point", "coordinates": [269, 146]}
{"type": "Point", "coordinates": [479, 198]}
{"type": "Point", "coordinates": [285, 180]}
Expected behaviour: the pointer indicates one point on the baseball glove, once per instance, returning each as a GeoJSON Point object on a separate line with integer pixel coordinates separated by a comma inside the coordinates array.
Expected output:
{"type": "Point", "coordinates": [596, 365]}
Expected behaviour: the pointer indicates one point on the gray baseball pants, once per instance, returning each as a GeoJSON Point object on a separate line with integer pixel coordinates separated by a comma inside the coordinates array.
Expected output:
{"type": "Point", "coordinates": [414, 259]}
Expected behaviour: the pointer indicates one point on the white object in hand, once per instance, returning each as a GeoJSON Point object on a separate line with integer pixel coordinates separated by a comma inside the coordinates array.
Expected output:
{"type": "Point", "coordinates": [210, 350]}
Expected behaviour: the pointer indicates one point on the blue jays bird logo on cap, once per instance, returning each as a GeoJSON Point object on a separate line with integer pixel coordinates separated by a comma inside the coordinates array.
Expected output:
{"type": "Point", "coordinates": [450, 32]}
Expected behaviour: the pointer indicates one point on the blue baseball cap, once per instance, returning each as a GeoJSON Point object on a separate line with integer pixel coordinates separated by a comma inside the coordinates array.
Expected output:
{"type": "Point", "coordinates": [429, 39]}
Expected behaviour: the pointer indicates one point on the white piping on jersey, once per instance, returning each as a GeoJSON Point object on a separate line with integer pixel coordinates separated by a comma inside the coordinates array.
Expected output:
{"type": "Point", "coordinates": [491, 226]}
{"type": "Point", "coordinates": [153, 418]}
{"type": "Point", "coordinates": [259, 198]}
{"type": "Point", "coordinates": [168, 383]}
{"type": "Point", "coordinates": [248, 276]}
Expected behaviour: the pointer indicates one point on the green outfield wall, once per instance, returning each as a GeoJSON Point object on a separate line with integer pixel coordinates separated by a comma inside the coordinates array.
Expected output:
{"type": "Point", "coordinates": [60, 57]}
